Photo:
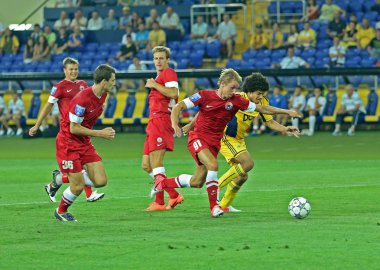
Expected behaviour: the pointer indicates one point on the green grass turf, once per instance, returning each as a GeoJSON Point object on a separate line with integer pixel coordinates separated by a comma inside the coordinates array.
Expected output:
{"type": "Point", "coordinates": [339, 175]}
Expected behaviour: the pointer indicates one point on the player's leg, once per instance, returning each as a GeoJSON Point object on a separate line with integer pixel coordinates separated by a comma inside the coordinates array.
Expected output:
{"type": "Point", "coordinates": [338, 121]}
{"type": "Point", "coordinates": [355, 120]}
{"type": "Point", "coordinates": [16, 118]}
{"type": "Point", "coordinates": [312, 121]}
{"type": "Point", "coordinates": [69, 196]}
{"type": "Point", "coordinates": [97, 176]}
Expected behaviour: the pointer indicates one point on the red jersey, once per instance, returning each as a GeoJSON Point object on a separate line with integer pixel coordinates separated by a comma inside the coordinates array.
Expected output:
{"type": "Point", "coordinates": [63, 92]}
{"type": "Point", "coordinates": [160, 105]}
{"type": "Point", "coordinates": [214, 113]}
{"type": "Point", "coordinates": [85, 108]}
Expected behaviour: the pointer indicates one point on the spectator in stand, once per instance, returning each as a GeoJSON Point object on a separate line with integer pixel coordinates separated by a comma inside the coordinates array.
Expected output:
{"type": "Point", "coordinates": [96, 22]}
{"type": "Point", "coordinates": [297, 103]}
{"type": "Point", "coordinates": [365, 34]}
{"type": "Point", "coordinates": [291, 61]}
{"type": "Point", "coordinates": [76, 40]}
{"type": "Point", "coordinates": [336, 27]}
{"type": "Point", "coordinates": [35, 35]}
{"type": "Point", "coordinates": [374, 45]}
{"type": "Point", "coordinates": [279, 101]}
{"type": "Point", "coordinates": [351, 105]}
{"type": "Point", "coordinates": [127, 50]}
{"type": "Point", "coordinates": [314, 108]}
{"type": "Point", "coordinates": [136, 83]}
{"type": "Point", "coordinates": [15, 112]}
{"type": "Point", "coordinates": [135, 20]}
{"type": "Point", "coordinates": [328, 10]}
{"type": "Point", "coordinates": [376, 6]}
{"type": "Point", "coordinates": [312, 11]}
{"type": "Point", "coordinates": [350, 36]}
{"type": "Point", "coordinates": [61, 43]}
{"type": "Point", "coordinates": [199, 29]}
{"type": "Point", "coordinates": [307, 37]}
{"type": "Point", "coordinates": [110, 23]}
{"type": "Point", "coordinates": [67, 3]}
{"type": "Point", "coordinates": [353, 19]}
{"type": "Point", "coordinates": [142, 37]}
{"type": "Point", "coordinates": [28, 51]}
{"type": "Point", "coordinates": [227, 34]}
{"type": "Point", "coordinates": [259, 40]}
{"type": "Point", "coordinates": [277, 40]}
{"type": "Point", "coordinates": [170, 20]}
{"type": "Point", "coordinates": [128, 31]}
{"type": "Point", "coordinates": [125, 20]}
{"type": "Point", "coordinates": [212, 29]}
{"type": "Point", "coordinates": [62, 21]}
{"type": "Point", "coordinates": [9, 42]}
{"type": "Point", "coordinates": [41, 50]}
{"type": "Point", "coordinates": [79, 20]}
{"type": "Point", "coordinates": [157, 36]}
{"type": "Point", "coordinates": [50, 36]}
{"type": "Point", "coordinates": [337, 54]}
{"type": "Point", "coordinates": [293, 35]}
{"type": "Point", "coordinates": [153, 17]}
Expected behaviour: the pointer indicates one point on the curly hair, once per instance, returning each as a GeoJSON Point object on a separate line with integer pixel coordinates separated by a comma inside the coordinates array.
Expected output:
{"type": "Point", "coordinates": [255, 82]}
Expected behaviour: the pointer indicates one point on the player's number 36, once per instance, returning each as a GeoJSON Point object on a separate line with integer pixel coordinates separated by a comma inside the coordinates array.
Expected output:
{"type": "Point", "coordinates": [67, 164]}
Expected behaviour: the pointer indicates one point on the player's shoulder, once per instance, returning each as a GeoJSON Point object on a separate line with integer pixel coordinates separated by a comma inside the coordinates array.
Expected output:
{"type": "Point", "coordinates": [264, 101]}
{"type": "Point", "coordinates": [169, 72]}
{"type": "Point", "coordinates": [242, 94]}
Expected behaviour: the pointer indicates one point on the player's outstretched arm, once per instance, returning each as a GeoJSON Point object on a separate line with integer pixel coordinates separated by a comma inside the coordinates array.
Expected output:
{"type": "Point", "coordinates": [289, 130]}
{"type": "Point", "coordinates": [274, 110]}
{"type": "Point", "coordinates": [107, 133]}
{"type": "Point", "coordinates": [44, 113]}
{"type": "Point", "coordinates": [176, 111]}
{"type": "Point", "coordinates": [170, 92]}
{"type": "Point", "coordinates": [190, 126]}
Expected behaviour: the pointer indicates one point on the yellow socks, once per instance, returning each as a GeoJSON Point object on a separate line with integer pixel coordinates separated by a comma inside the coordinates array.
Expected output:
{"type": "Point", "coordinates": [229, 196]}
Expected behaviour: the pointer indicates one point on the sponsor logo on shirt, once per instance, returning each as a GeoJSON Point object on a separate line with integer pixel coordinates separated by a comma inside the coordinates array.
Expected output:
{"type": "Point", "coordinates": [195, 97]}
{"type": "Point", "coordinates": [53, 90]}
{"type": "Point", "coordinates": [79, 110]}
{"type": "Point", "coordinates": [228, 106]}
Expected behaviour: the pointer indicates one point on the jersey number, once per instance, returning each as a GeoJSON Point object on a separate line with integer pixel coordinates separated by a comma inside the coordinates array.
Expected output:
{"type": "Point", "coordinates": [67, 164]}
{"type": "Point", "coordinates": [197, 144]}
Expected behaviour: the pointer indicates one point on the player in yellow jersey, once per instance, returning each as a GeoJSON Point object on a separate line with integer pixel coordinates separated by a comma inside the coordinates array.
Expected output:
{"type": "Point", "coordinates": [233, 146]}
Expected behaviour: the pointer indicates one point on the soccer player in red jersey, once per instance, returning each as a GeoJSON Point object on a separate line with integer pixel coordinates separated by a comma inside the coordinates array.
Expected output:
{"type": "Point", "coordinates": [216, 109]}
{"type": "Point", "coordinates": [62, 93]}
{"type": "Point", "coordinates": [160, 134]}
{"type": "Point", "coordinates": [73, 144]}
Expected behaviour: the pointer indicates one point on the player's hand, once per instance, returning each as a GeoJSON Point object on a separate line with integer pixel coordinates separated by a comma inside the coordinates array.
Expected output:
{"type": "Point", "coordinates": [108, 133]}
{"type": "Point", "coordinates": [186, 129]}
{"type": "Point", "coordinates": [33, 130]}
{"type": "Point", "coordinates": [150, 83]}
{"type": "Point", "coordinates": [177, 131]}
{"type": "Point", "coordinates": [295, 114]}
{"type": "Point", "coordinates": [292, 131]}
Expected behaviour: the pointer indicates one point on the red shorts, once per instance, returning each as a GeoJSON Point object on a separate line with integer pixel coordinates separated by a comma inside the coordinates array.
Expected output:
{"type": "Point", "coordinates": [196, 144]}
{"type": "Point", "coordinates": [71, 157]}
{"type": "Point", "coordinates": [159, 135]}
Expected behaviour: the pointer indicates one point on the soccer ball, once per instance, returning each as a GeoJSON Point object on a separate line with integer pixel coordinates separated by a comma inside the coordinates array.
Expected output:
{"type": "Point", "coordinates": [299, 207]}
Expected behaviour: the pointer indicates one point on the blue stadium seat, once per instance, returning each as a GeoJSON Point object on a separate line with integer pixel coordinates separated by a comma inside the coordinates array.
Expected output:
{"type": "Point", "coordinates": [91, 47]}
{"type": "Point", "coordinates": [186, 45]}
{"type": "Point", "coordinates": [174, 45]}
{"type": "Point", "coordinates": [200, 46]}
{"type": "Point", "coordinates": [110, 107]}
{"type": "Point", "coordinates": [196, 59]}
{"type": "Point", "coordinates": [202, 83]}
{"type": "Point", "coordinates": [213, 49]}
{"type": "Point", "coordinates": [368, 62]}
{"type": "Point", "coordinates": [373, 100]}
{"type": "Point", "coordinates": [233, 63]}
{"type": "Point", "coordinates": [183, 63]}
{"type": "Point", "coordinates": [246, 65]}
{"type": "Point", "coordinates": [249, 54]}
{"type": "Point", "coordinates": [35, 105]}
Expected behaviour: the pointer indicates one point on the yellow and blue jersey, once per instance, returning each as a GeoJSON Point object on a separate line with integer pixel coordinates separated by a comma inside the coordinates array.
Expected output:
{"type": "Point", "coordinates": [242, 121]}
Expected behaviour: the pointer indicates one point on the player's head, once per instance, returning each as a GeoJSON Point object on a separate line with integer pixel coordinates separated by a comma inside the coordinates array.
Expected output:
{"type": "Point", "coordinates": [104, 76]}
{"type": "Point", "coordinates": [161, 57]}
{"type": "Point", "coordinates": [256, 86]}
{"type": "Point", "coordinates": [229, 82]}
{"type": "Point", "coordinates": [70, 68]}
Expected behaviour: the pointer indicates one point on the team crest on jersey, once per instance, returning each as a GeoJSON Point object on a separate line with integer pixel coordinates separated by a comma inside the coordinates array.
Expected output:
{"type": "Point", "coordinates": [195, 97]}
{"type": "Point", "coordinates": [79, 110]}
{"type": "Point", "coordinates": [53, 90]}
{"type": "Point", "coordinates": [228, 106]}
{"type": "Point", "coordinates": [159, 140]}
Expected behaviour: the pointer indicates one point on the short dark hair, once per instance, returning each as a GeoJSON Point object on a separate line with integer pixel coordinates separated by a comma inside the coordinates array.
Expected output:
{"type": "Point", "coordinates": [70, 60]}
{"type": "Point", "coordinates": [255, 82]}
{"type": "Point", "coordinates": [103, 72]}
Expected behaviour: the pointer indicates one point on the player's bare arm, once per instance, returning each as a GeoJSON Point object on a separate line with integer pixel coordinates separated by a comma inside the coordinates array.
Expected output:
{"type": "Point", "coordinates": [170, 92]}
{"type": "Point", "coordinates": [286, 130]}
{"type": "Point", "coordinates": [274, 110]}
{"type": "Point", "coordinates": [107, 133]}
{"type": "Point", "coordinates": [190, 126]}
{"type": "Point", "coordinates": [44, 113]}
{"type": "Point", "coordinates": [176, 111]}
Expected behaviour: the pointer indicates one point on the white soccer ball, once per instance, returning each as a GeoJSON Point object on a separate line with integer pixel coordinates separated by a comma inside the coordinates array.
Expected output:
{"type": "Point", "coordinates": [299, 207]}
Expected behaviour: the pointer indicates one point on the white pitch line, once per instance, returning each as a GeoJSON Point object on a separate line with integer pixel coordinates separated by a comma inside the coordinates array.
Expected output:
{"type": "Point", "coordinates": [204, 194]}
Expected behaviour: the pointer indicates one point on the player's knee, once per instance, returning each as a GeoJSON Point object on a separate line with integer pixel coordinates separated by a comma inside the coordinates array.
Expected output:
{"type": "Point", "coordinates": [101, 182]}
{"type": "Point", "coordinates": [248, 165]}
{"type": "Point", "coordinates": [76, 188]}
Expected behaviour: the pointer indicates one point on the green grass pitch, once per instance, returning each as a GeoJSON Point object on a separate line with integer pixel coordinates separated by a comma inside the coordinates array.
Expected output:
{"type": "Point", "coordinates": [339, 176]}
